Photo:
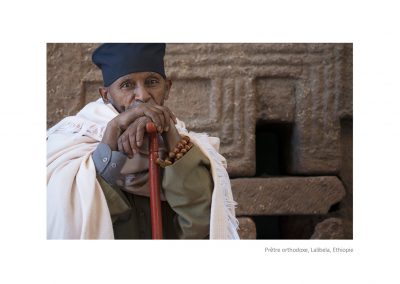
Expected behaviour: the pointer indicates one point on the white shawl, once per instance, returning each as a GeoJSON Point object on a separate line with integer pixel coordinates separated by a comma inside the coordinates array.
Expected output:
{"type": "Point", "coordinates": [76, 206]}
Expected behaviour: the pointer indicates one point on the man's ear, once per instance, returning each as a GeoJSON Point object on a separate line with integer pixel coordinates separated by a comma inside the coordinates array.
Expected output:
{"type": "Point", "coordinates": [104, 94]}
{"type": "Point", "coordinates": [168, 85]}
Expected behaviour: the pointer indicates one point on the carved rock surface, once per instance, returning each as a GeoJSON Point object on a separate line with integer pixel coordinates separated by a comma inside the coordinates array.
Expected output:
{"type": "Point", "coordinates": [247, 228]}
{"type": "Point", "coordinates": [286, 195]}
{"type": "Point", "coordinates": [329, 229]}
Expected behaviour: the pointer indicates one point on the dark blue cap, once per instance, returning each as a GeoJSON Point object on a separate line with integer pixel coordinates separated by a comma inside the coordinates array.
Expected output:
{"type": "Point", "coordinates": [118, 59]}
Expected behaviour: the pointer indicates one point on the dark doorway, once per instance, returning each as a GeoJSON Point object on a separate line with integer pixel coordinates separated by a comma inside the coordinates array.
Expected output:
{"type": "Point", "coordinates": [272, 148]}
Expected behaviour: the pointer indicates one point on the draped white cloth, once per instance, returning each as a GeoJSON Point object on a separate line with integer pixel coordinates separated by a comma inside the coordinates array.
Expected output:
{"type": "Point", "coordinates": [76, 206]}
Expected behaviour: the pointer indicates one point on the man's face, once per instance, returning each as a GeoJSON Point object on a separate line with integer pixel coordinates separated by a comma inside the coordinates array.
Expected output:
{"type": "Point", "coordinates": [147, 87]}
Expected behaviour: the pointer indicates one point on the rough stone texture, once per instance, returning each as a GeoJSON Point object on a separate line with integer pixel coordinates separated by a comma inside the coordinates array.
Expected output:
{"type": "Point", "coordinates": [301, 84]}
{"type": "Point", "coordinates": [286, 196]}
{"type": "Point", "coordinates": [227, 88]}
{"type": "Point", "coordinates": [247, 228]}
{"type": "Point", "coordinates": [328, 229]}
{"type": "Point", "coordinates": [67, 92]}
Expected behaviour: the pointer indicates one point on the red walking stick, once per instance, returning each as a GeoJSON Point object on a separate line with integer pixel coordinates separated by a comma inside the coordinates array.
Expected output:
{"type": "Point", "coordinates": [154, 176]}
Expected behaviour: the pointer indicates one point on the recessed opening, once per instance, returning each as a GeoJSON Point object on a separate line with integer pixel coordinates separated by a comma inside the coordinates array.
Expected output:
{"type": "Point", "coordinates": [272, 148]}
{"type": "Point", "coordinates": [286, 227]}
{"type": "Point", "coordinates": [267, 227]}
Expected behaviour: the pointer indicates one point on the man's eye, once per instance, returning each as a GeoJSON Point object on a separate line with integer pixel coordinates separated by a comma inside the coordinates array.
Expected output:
{"type": "Point", "coordinates": [152, 81]}
{"type": "Point", "coordinates": [126, 85]}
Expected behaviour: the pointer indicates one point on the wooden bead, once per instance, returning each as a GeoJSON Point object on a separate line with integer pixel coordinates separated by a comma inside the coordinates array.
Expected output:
{"type": "Point", "coordinates": [176, 150]}
{"type": "Point", "coordinates": [184, 142]}
{"type": "Point", "coordinates": [161, 163]}
{"type": "Point", "coordinates": [190, 144]}
{"type": "Point", "coordinates": [183, 151]}
{"type": "Point", "coordinates": [186, 138]}
{"type": "Point", "coordinates": [187, 147]}
{"type": "Point", "coordinates": [179, 155]}
{"type": "Point", "coordinates": [179, 145]}
{"type": "Point", "coordinates": [171, 155]}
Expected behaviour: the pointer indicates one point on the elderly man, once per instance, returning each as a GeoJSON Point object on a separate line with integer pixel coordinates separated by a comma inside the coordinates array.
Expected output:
{"type": "Point", "coordinates": [98, 160]}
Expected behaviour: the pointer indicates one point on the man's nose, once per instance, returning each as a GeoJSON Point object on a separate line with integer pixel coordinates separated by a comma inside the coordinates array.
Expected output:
{"type": "Point", "coordinates": [142, 94]}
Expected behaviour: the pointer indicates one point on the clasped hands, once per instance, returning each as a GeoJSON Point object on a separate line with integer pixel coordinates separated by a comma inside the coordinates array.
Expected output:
{"type": "Point", "coordinates": [126, 131]}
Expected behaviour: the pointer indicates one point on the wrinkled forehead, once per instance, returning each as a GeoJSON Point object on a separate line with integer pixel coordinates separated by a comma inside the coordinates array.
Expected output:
{"type": "Point", "coordinates": [136, 77]}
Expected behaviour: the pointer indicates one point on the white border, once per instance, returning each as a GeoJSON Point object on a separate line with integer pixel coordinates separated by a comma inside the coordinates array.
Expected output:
{"type": "Point", "coordinates": [28, 25]}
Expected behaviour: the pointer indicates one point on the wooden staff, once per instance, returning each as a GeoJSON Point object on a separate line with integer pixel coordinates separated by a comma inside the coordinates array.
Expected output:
{"type": "Point", "coordinates": [154, 177]}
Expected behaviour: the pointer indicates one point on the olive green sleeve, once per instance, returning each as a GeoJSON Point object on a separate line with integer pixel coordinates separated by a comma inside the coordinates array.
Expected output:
{"type": "Point", "coordinates": [188, 186]}
{"type": "Point", "coordinates": [116, 201]}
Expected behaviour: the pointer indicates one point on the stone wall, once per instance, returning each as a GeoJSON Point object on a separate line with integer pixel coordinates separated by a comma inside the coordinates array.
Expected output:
{"type": "Point", "coordinates": [283, 113]}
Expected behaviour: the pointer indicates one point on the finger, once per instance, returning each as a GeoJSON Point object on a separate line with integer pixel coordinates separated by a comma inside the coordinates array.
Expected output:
{"type": "Point", "coordinates": [159, 123]}
{"type": "Point", "coordinates": [161, 117]}
{"type": "Point", "coordinates": [173, 116]}
{"type": "Point", "coordinates": [120, 146]}
{"type": "Point", "coordinates": [126, 146]}
{"type": "Point", "coordinates": [152, 113]}
{"type": "Point", "coordinates": [140, 132]}
{"type": "Point", "coordinates": [132, 142]}
{"type": "Point", "coordinates": [162, 120]}
{"type": "Point", "coordinates": [166, 117]}
{"type": "Point", "coordinates": [131, 134]}
{"type": "Point", "coordinates": [163, 114]}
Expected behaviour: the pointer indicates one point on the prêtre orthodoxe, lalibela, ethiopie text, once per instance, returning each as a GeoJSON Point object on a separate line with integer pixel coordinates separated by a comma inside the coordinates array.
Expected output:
{"type": "Point", "coordinates": [309, 250]}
